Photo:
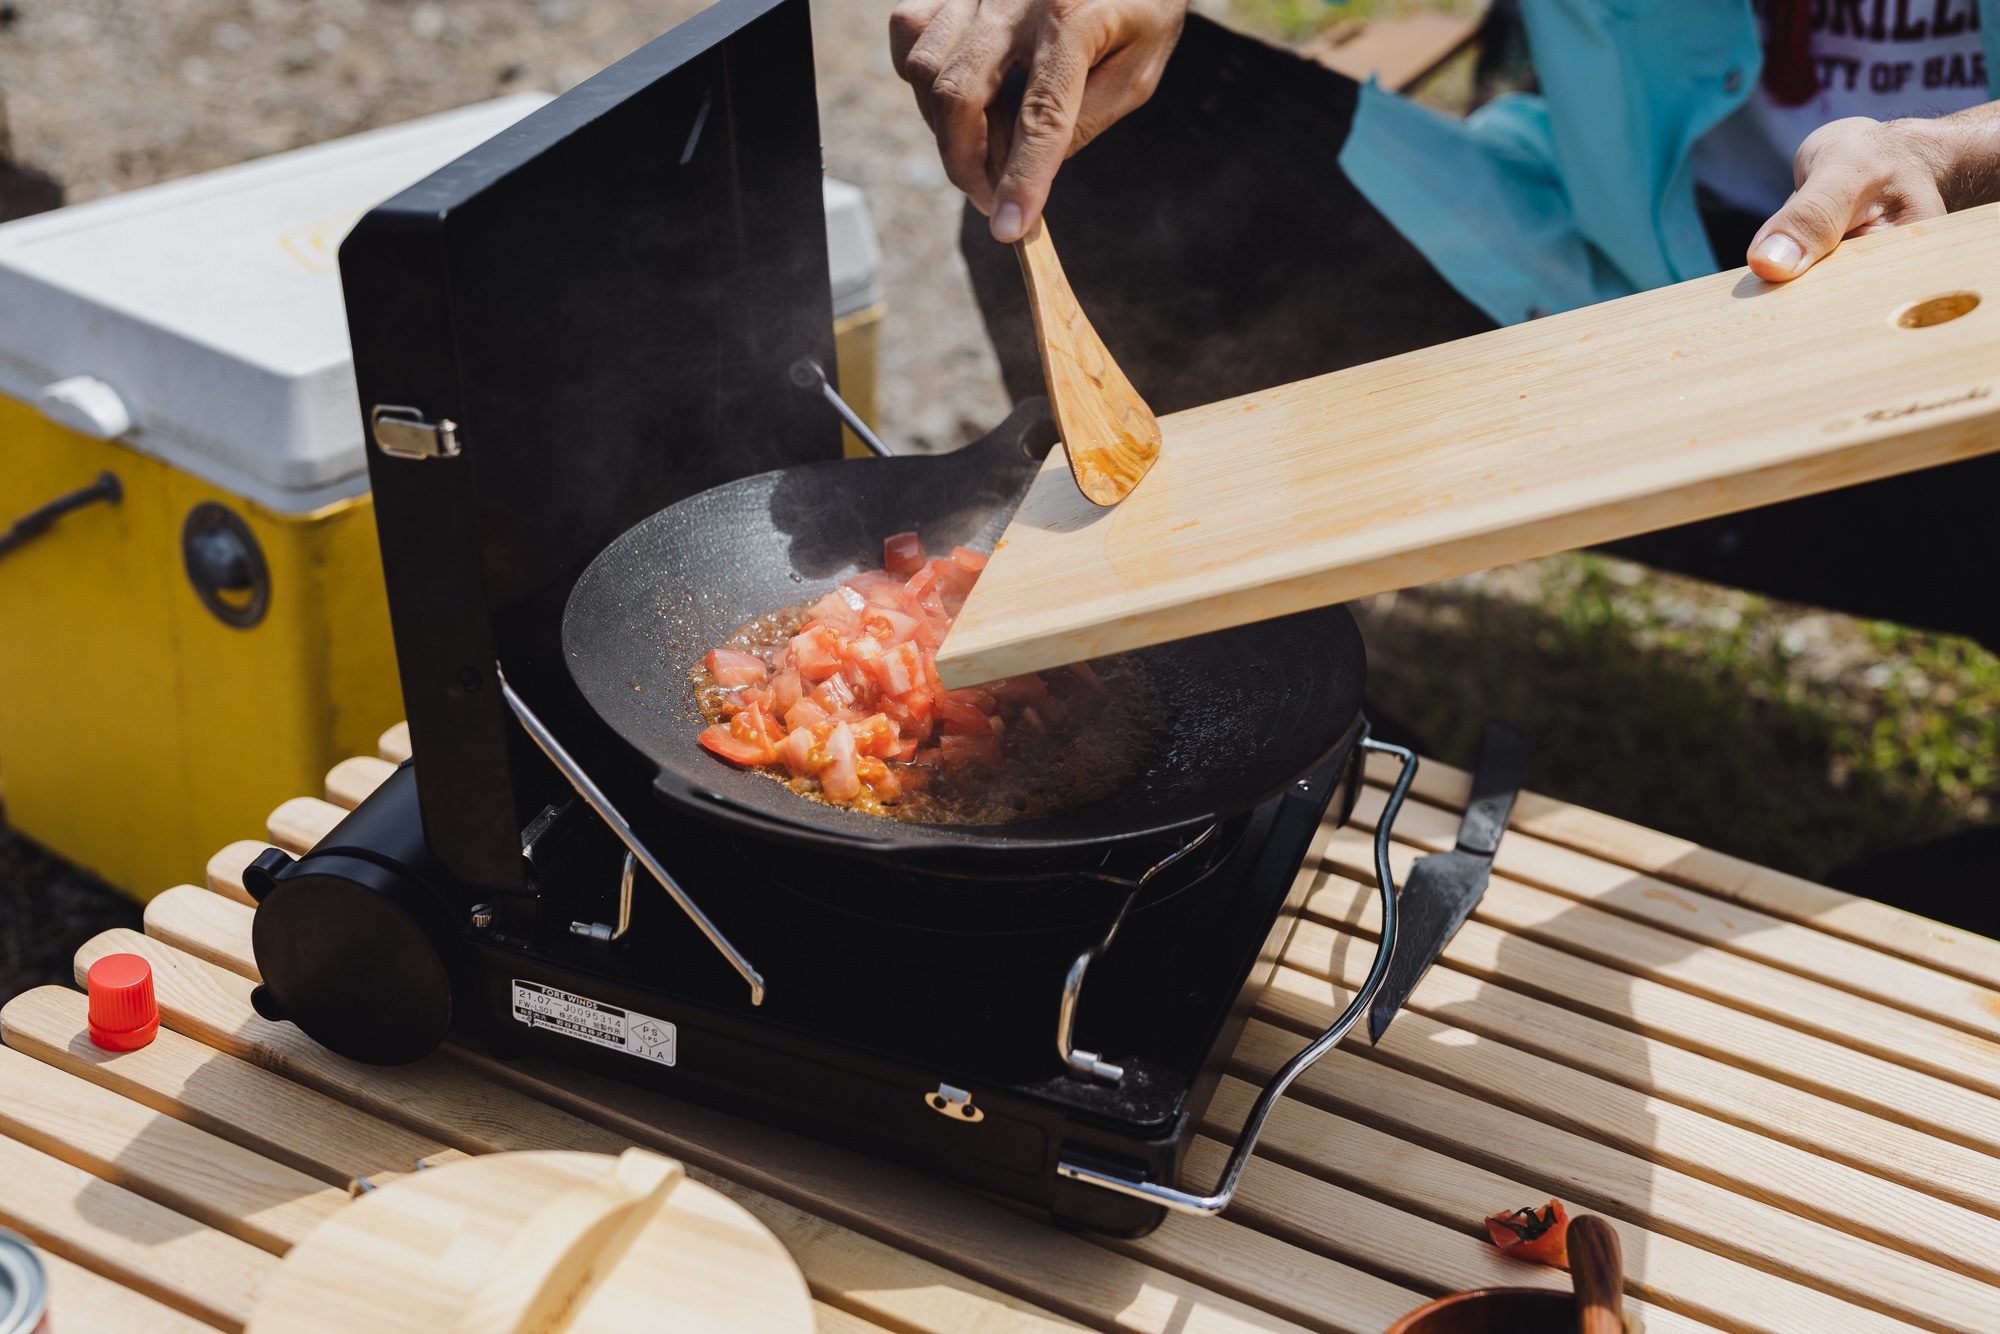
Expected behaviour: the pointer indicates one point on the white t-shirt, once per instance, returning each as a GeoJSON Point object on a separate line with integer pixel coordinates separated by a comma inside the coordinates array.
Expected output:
{"type": "Point", "coordinates": [1876, 58]}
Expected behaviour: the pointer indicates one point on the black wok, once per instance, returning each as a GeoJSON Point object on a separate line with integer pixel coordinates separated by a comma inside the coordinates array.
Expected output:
{"type": "Point", "coordinates": [1244, 711]}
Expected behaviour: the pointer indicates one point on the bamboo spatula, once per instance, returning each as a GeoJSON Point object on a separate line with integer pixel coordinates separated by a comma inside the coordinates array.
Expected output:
{"type": "Point", "coordinates": [1109, 434]}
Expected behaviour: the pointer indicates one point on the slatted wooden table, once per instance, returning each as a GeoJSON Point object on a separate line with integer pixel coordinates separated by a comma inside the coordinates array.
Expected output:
{"type": "Point", "coordinates": [1785, 1098]}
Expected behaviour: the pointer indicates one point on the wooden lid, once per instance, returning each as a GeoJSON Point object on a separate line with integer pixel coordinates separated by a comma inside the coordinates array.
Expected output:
{"type": "Point", "coordinates": [535, 1243]}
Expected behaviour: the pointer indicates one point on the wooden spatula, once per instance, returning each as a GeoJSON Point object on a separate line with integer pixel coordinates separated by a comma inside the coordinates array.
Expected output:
{"type": "Point", "coordinates": [1109, 434]}
{"type": "Point", "coordinates": [1597, 1271]}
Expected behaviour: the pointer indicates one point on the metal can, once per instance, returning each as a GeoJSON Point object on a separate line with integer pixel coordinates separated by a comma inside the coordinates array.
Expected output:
{"type": "Point", "coordinates": [24, 1287]}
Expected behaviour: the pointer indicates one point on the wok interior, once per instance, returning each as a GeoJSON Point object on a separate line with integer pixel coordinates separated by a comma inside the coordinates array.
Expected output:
{"type": "Point", "coordinates": [1243, 711]}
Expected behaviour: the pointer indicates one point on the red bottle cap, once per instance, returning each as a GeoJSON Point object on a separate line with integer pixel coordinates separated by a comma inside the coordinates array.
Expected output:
{"type": "Point", "coordinates": [123, 1014]}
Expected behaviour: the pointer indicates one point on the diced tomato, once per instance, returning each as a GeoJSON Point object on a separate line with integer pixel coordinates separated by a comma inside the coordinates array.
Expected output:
{"type": "Point", "coordinates": [977, 697]}
{"type": "Point", "coordinates": [795, 751]}
{"type": "Point", "coordinates": [902, 554]}
{"type": "Point", "coordinates": [878, 777]}
{"type": "Point", "coordinates": [954, 581]}
{"type": "Point", "coordinates": [930, 755]}
{"type": "Point", "coordinates": [786, 690]}
{"type": "Point", "coordinates": [906, 751]}
{"type": "Point", "coordinates": [807, 713]}
{"type": "Point", "coordinates": [958, 718]}
{"type": "Point", "coordinates": [834, 694]}
{"type": "Point", "coordinates": [816, 652]}
{"type": "Point", "coordinates": [961, 750]}
{"type": "Point", "coordinates": [862, 648]}
{"type": "Point", "coordinates": [879, 588]}
{"type": "Point", "coordinates": [839, 780]}
{"type": "Point", "coordinates": [890, 627]}
{"type": "Point", "coordinates": [730, 668]}
{"type": "Point", "coordinates": [1533, 1234]}
{"type": "Point", "coordinates": [1086, 675]}
{"type": "Point", "coordinates": [719, 739]}
{"type": "Point", "coordinates": [899, 671]}
{"type": "Point", "coordinates": [876, 735]}
{"type": "Point", "coordinates": [1032, 722]}
{"type": "Point", "coordinates": [753, 728]}
{"type": "Point", "coordinates": [913, 778]}
{"type": "Point", "coordinates": [1013, 691]}
{"type": "Point", "coordinates": [974, 561]}
{"type": "Point", "coordinates": [1052, 709]}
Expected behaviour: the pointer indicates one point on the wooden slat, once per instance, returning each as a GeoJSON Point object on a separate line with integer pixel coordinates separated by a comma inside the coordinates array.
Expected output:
{"type": "Point", "coordinates": [1606, 1179]}
{"type": "Point", "coordinates": [225, 869]}
{"type": "Point", "coordinates": [1397, 51]}
{"type": "Point", "coordinates": [190, 1171]}
{"type": "Point", "coordinates": [1657, 1130]}
{"type": "Point", "coordinates": [1699, 399]}
{"type": "Point", "coordinates": [1453, 1197]}
{"type": "Point", "coordinates": [180, 1077]}
{"type": "Point", "coordinates": [833, 1320]}
{"type": "Point", "coordinates": [207, 925]}
{"type": "Point", "coordinates": [1488, 950]}
{"type": "Point", "coordinates": [142, 1245]}
{"type": "Point", "coordinates": [81, 1302]}
{"type": "Point", "coordinates": [1255, 1264]}
{"type": "Point", "coordinates": [918, 1214]}
{"type": "Point", "coordinates": [1715, 921]}
{"type": "Point", "coordinates": [444, 1097]}
{"type": "Point", "coordinates": [301, 822]}
{"type": "Point", "coordinates": [1319, 1215]}
{"type": "Point", "coordinates": [1832, 1130]}
{"type": "Point", "coordinates": [1678, 861]}
{"type": "Point", "coordinates": [349, 782]}
{"type": "Point", "coordinates": [1743, 984]}
{"type": "Point", "coordinates": [394, 745]}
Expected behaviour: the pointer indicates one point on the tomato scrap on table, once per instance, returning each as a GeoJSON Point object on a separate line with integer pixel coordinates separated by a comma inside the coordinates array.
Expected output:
{"type": "Point", "coordinates": [1540, 1235]}
{"type": "Point", "coordinates": [841, 699]}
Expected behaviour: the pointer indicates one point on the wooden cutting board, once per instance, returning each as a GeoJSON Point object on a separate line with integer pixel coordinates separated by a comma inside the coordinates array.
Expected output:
{"type": "Point", "coordinates": [1695, 400]}
{"type": "Point", "coordinates": [479, 1247]}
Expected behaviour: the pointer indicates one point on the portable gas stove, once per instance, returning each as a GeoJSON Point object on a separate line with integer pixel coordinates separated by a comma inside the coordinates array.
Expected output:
{"type": "Point", "coordinates": [600, 313]}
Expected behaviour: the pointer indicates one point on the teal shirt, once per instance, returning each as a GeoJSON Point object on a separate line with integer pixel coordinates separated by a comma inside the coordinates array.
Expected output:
{"type": "Point", "coordinates": [1585, 191]}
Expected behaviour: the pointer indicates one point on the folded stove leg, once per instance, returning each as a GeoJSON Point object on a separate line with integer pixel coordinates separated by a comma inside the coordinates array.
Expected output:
{"type": "Point", "coordinates": [1186, 1201]}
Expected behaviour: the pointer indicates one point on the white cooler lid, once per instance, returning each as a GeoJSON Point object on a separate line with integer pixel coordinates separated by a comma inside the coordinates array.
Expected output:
{"type": "Point", "coordinates": [211, 306]}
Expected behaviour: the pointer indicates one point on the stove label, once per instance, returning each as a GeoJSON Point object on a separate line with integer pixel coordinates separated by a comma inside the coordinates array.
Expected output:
{"type": "Point", "coordinates": [590, 1020]}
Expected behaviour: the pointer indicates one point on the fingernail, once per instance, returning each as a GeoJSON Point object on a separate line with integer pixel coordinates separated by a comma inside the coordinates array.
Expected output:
{"type": "Point", "coordinates": [1780, 252]}
{"type": "Point", "coordinates": [1007, 224]}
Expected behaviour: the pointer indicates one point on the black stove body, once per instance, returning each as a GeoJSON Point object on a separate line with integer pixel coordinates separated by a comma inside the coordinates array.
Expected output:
{"type": "Point", "coordinates": [579, 323]}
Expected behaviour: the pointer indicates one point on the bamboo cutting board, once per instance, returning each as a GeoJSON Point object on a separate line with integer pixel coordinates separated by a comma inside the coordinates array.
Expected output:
{"type": "Point", "coordinates": [1700, 399]}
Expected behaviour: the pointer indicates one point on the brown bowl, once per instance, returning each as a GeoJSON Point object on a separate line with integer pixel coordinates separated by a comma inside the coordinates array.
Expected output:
{"type": "Point", "coordinates": [1493, 1311]}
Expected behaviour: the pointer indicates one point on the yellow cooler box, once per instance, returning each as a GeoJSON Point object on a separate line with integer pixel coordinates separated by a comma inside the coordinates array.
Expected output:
{"type": "Point", "coordinates": [192, 623]}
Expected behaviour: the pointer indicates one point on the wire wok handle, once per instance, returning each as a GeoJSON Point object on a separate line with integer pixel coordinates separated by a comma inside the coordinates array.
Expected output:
{"type": "Point", "coordinates": [1188, 1202]}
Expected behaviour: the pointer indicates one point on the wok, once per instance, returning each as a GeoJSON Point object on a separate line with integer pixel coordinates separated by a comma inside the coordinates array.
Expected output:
{"type": "Point", "coordinates": [1243, 711]}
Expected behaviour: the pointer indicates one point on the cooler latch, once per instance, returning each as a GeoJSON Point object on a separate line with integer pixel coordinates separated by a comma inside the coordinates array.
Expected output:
{"type": "Point", "coordinates": [402, 433]}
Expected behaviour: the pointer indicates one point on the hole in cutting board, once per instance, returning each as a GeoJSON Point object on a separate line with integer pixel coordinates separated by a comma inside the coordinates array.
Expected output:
{"type": "Point", "coordinates": [1936, 310]}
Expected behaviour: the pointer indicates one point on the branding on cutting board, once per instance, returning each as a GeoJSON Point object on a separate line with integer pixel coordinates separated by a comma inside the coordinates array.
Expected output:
{"type": "Point", "coordinates": [581, 1017]}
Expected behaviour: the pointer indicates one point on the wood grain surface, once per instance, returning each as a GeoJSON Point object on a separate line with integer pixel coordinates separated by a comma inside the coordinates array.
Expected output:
{"type": "Point", "coordinates": [1109, 435]}
{"type": "Point", "coordinates": [1710, 396]}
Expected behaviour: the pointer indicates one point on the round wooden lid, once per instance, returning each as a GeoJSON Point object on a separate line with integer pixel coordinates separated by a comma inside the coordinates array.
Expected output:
{"type": "Point", "coordinates": [535, 1243]}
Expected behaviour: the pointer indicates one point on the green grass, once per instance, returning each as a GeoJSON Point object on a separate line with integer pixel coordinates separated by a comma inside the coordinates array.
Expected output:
{"type": "Point", "coordinates": [1794, 737]}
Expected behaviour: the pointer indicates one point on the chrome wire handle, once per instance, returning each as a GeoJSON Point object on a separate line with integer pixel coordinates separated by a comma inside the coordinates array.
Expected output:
{"type": "Point", "coordinates": [590, 792]}
{"type": "Point", "coordinates": [809, 374]}
{"type": "Point", "coordinates": [1208, 1205]}
{"type": "Point", "coordinates": [1087, 1063]}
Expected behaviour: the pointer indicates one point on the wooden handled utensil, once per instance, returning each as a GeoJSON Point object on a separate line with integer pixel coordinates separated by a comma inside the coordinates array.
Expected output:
{"type": "Point", "coordinates": [1597, 1271]}
{"type": "Point", "coordinates": [1108, 433]}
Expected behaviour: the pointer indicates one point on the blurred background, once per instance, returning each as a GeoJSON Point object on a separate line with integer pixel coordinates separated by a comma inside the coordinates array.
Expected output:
{"type": "Point", "coordinates": [1809, 741]}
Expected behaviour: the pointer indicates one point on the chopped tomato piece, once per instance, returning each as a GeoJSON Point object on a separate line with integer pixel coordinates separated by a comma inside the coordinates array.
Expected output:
{"type": "Point", "coordinates": [796, 750]}
{"type": "Point", "coordinates": [902, 554]}
{"type": "Point", "coordinates": [928, 755]}
{"type": "Point", "coordinates": [753, 728]}
{"type": "Point", "coordinates": [876, 735]}
{"type": "Point", "coordinates": [974, 561]}
{"type": "Point", "coordinates": [958, 718]}
{"type": "Point", "coordinates": [900, 671]}
{"type": "Point", "coordinates": [959, 750]}
{"type": "Point", "coordinates": [816, 652]}
{"type": "Point", "coordinates": [1533, 1234]}
{"type": "Point", "coordinates": [834, 694]}
{"type": "Point", "coordinates": [839, 780]}
{"type": "Point", "coordinates": [730, 668]}
{"type": "Point", "coordinates": [1086, 675]}
{"type": "Point", "coordinates": [807, 713]}
{"type": "Point", "coordinates": [1032, 721]}
{"type": "Point", "coordinates": [720, 740]}
{"type": "Point", "coordinates": [954, 581]}
{"type": "Point", "coordinates": [889, 626]}
{"type": "Point", "coordinates": [914, 778]}
{"type": "Point", "coordinates": [976, 696]}
{"type": "Point", "coordinates": [906, 751]}
{"type": "Point", "coordinates": [879, 588]}
{"type": "Point", "coordinates": [786, 690]}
